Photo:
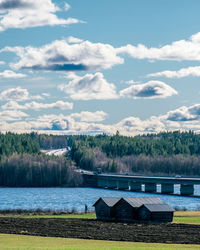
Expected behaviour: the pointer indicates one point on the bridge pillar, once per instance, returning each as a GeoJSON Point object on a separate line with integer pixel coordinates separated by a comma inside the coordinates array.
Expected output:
{"type": "Point", "coordinates": [122, 185]}
{"type": "Point", "coordinates": [150, 187]}
{"type": "Point", "coordinates": [167, 188]}
{"type": "Point", "coordinates": [187, 189]}
{"type": "Point", "coordinates": [135, 186]}
{"type": "Point", "coordinates": [101, 182]}
{"type": "Point", "coordinates": [111, 184]}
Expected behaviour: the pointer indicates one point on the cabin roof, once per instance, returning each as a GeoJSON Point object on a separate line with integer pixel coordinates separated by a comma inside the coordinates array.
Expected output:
{"type": "Point", "coordinates": [159, 207]}
{"type": "Point", "coordinates": [110, 201]}
{"type": "Point", "coordinates": [139, 201]}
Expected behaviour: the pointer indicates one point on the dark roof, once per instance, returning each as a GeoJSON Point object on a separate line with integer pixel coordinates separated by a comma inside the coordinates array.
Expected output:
{"type": "Point", "coordinates": [110, 201]}
{"type": "Point", "coordinates": [139, 201]}
{"type": "Point", "coordinates": [159, 207]}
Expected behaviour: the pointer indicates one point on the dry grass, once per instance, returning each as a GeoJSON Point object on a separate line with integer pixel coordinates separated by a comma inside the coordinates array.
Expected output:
{"type": "Point", "coordinates": [187, 214]}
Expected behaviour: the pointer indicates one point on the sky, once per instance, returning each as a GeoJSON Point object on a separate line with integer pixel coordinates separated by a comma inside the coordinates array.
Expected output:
{"type": "Point", "coordinates": [90, 67]}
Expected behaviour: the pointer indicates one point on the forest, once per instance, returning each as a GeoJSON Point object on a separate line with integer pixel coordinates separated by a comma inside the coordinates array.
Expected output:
{"type": "Point", "coordinates": [28, 170]}
{"type": "Point", "coordinates": [23, 163]}
{"type": "Point", "coordinates": [167, 153]}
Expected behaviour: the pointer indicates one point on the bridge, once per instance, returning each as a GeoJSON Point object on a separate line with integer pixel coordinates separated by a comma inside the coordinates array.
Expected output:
{"type": "Point", "coordinates": [134, 183]}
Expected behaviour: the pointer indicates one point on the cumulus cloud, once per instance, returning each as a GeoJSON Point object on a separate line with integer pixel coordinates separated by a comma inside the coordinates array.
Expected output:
{"type": "Point", "coordinates": [14, 94]}
{"type": "Point", "coordinates": [13, 105]}
{"type": "Point", "coordinates": [184, 114]}
{"type": "Point", "coordinates": [11, 74]}
{"type": "Point", "coordinates": [69, 124]}
{"type": "Point", "coordinates": [176, 51]}
{"type": "Point", "coordinates": [12, 115]}
{"type": "Point", "coordinates": [184, 72]}
{"type": "Point", "coordinates": [72, 39]}
{"type": "Point", "coordinates": [183, 118]}
{"type": "Point", "coordinates": [150, 90]}
{"type": "Point", "coordinates": [134, 125]}
{"type": "Point", "coordinates": [17, 94]}
{"type": "Point", "coordinates": [63, 56]}
{"type": "Point", "coordinates": [86, 116]}
{"type": "Point", "coordinates": [88, 87]}
{"type": "Point", "coordinates": [32, 13]}
{"type": "Point", "coordinates": [2, 62]}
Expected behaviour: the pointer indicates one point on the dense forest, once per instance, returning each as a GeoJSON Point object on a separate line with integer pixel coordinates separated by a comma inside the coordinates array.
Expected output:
{"type": "Point", "coordinates": [37, 171]}
{"type": "Point", "coordinates": [23, 165]}
{"type": "Point", "coordinates": [168, 153]}
{"type": "Point", "coordinates": [22, 162]}
{"type": "Point", "coordinates": [13, 143]}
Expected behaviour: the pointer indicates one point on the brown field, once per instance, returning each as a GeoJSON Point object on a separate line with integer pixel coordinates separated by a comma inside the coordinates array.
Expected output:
{"type": "Point", "coordinates": [93, 229]}
{"type": "Point", "coordinates": [187, 214]}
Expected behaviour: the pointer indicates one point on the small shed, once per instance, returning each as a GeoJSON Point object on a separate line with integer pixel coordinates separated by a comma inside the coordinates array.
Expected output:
{"type": "Point", "coordinates": [126, 209]}
{"type": "Point", "coordinates": [156, 212]}
{"type": "Point", "coordinates": [104, 208]}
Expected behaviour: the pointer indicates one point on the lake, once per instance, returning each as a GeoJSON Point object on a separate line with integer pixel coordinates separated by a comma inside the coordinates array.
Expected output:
{"type": "Point", "coordinates": [62, 199]}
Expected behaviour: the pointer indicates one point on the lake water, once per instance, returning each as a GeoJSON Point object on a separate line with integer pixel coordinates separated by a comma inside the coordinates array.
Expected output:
{"type": "Point", "coordinates": [62, 199]}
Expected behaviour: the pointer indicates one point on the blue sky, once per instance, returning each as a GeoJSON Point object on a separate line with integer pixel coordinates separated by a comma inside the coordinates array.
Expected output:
{"type": "Point", "coordinates": [99, 66]}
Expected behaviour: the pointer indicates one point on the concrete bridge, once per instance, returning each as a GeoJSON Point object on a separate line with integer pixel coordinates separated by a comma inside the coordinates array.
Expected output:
{"type": "Point", "coordinates": [134, 183]}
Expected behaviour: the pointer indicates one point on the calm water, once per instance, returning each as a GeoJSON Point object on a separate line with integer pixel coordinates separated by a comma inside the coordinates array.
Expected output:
{"type": "Point", "coordinates": [69, 198]}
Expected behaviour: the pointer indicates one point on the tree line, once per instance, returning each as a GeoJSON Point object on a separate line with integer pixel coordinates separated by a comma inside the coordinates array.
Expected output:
{"type": "Point", "coordinates": [167, 153]}
{"type": "Point", "coordinates": [165, 144]}
{"type": "Point", "coordinates": [23, 165]}
{"type": "Point", "coordinates": [28, 170]}
{"type": "Point", "coordinates": [11, 143]}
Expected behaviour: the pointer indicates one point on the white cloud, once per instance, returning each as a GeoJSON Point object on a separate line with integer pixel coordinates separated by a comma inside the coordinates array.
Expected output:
{"type": "Point", "coordinates": [13, 105]}
{"type": "Point", "coordinates": [57, 105]}
{"type": "Point", "coordinates": [86, 116]}
{"type": "Point", "coordinates": [67, 6]}
{"type": "Point", "coordinates": [68, 123]}
{"type": "Point", "coordinates": [32, 13]}
{"type": "Point", "coordinates": [184, 114]}
{"type": "Point", "coordinates": [176, 51]}
{"type": "Point", "coordinates": [150, 90]}
{"type": "Point", "coordinates": [134, 126]}
{"type": "Point", "coordinates": [72, 39]}
{"type": "Point", "coordinates": [88, 87]}
{"type": "Point", "coordinates": [46, 94]}
{"type": "Point", "coordinates": [62, 56]}
{"type": "Point", "coordinates": [130, 82]}
{"type": "Point", "coordinates": [183, 118]}
{"type": "Point", "coordinates": [11, 74]}
{"type": "Point", "coordinates": [12, 115]}
{"type": "Point", "coordinates": [17, 94]}
{"type": "Point", "coordinates": [14, 94]}
{"type": "Point", "coordinates": [184, 72]}
{"type": "Point", "coordinates": [2, 62]}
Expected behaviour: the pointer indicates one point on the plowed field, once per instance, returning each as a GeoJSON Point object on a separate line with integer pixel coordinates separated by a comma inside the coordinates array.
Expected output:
{"type": "Point", "coordinates": [93, 229]}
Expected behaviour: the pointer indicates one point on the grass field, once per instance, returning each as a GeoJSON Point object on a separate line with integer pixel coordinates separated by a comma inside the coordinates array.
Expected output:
{"type": "Point", "coordinates": [22, 242]}
{"type": "Point", "coordinates": [189, 217]}
{"type": "Point", "coordinates": [63, 216]}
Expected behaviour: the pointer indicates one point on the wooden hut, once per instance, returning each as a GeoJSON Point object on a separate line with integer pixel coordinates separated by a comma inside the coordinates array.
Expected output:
{"type": "Point", "coordinates": [104, 208]}
{"type": "Point", "coordinates": [156, 212]}
{"type": "Point", "coordinates": [126, 209]}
